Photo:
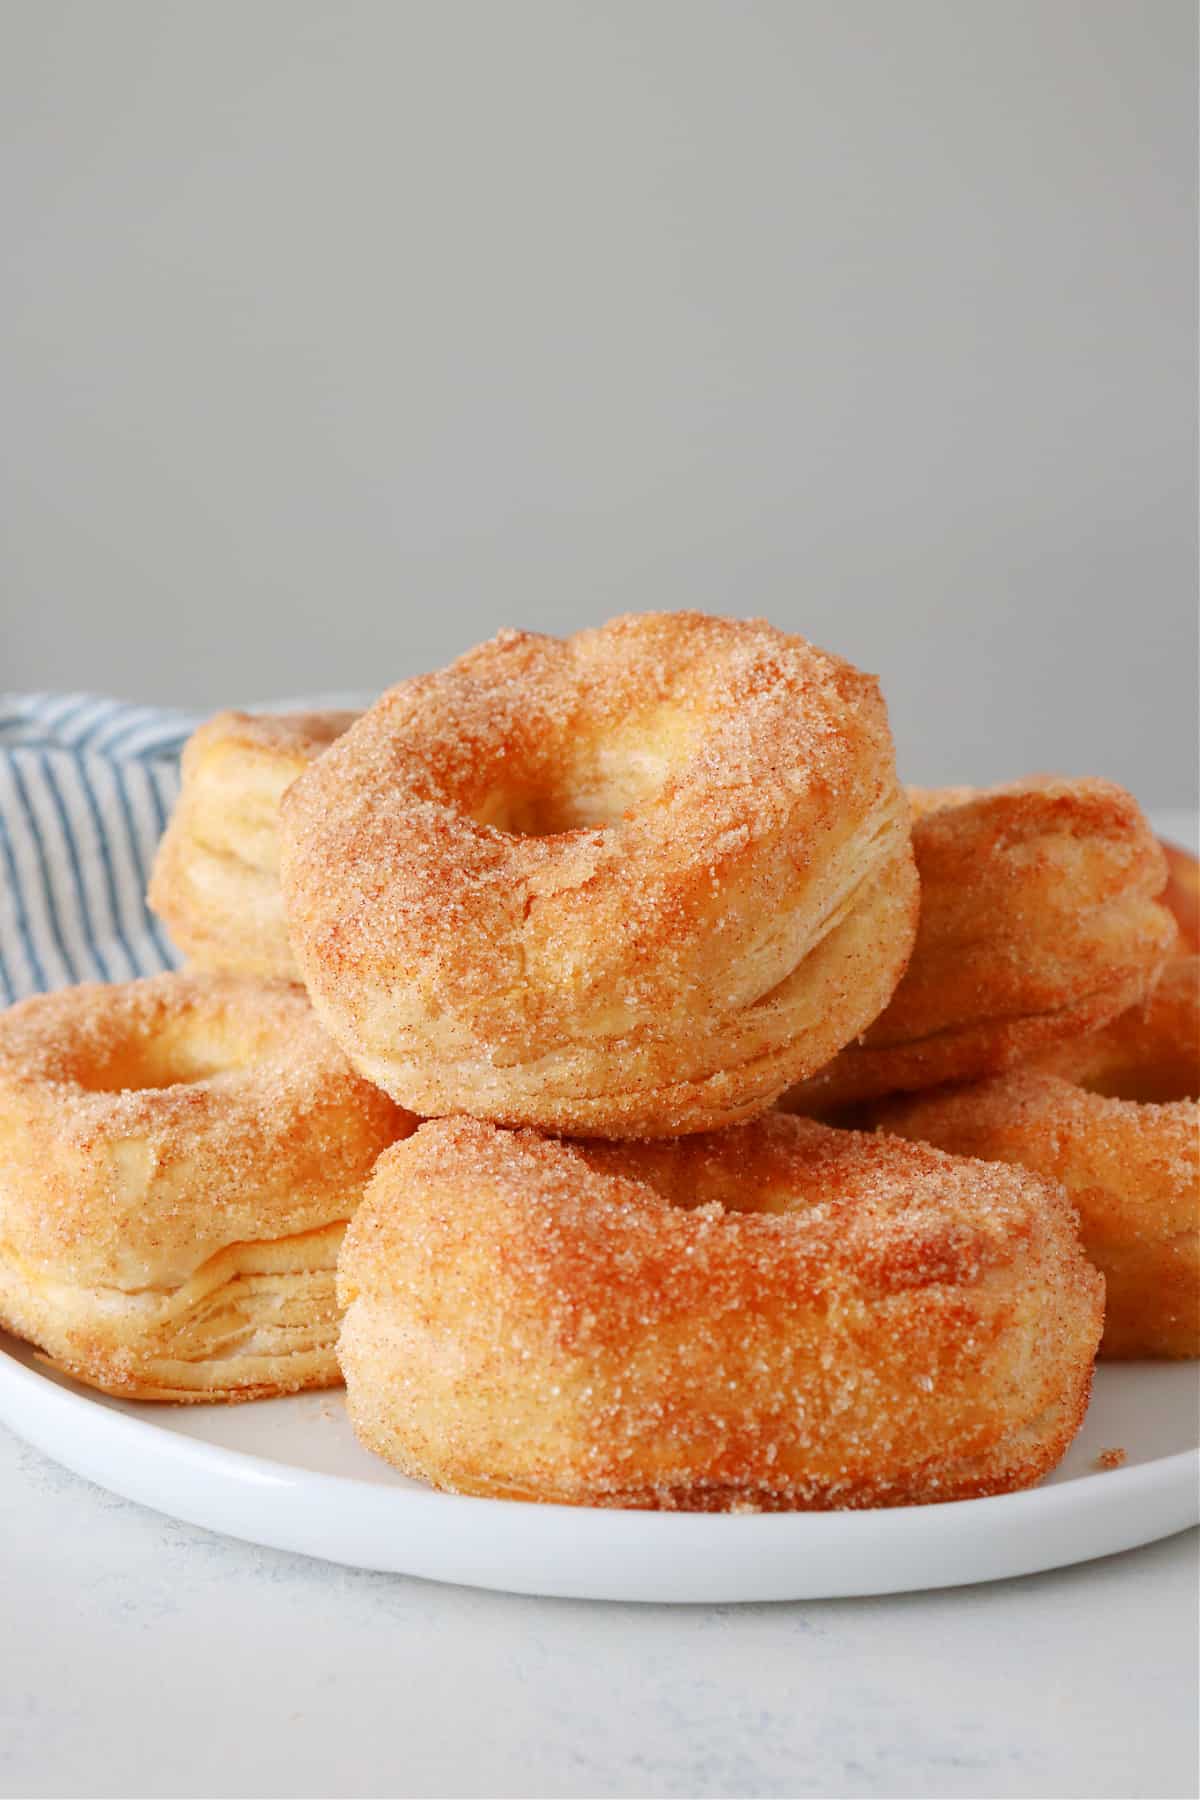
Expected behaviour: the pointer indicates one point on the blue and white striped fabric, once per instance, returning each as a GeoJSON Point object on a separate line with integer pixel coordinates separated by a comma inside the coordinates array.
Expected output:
{"type": "Point", "coordinates": [86, 785]}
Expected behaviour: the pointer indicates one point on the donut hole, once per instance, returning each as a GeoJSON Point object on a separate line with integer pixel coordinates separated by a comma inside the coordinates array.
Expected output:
{"type": "Point", "coordinates": [1157, 1084]}
{"type": "Point", "coordinates": [688, 1176]}
{"type": "Point", "coordinates": [170, 1059]}
{"type": "Point", "coordinates": [604, 776]}
{"type": "Point", "coordinates": [551, 814]}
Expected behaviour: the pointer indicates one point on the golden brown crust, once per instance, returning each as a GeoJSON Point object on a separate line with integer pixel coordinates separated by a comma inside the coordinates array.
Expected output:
{"type": "Point", "coordinates": [1039, 920]}
{"type": "Point", "coordinates": [215, 882]}
{"type": "Point", "coordinates": [630, 883]}
{"type": "Point", "coordinates": [1115, 1117]}
{"type": "Point", "coordinates": [180, 1156]}
{"type": "Point", "coordinates": [775, 1316]}
{"type": "Point", "coordinates": [1181, 896]}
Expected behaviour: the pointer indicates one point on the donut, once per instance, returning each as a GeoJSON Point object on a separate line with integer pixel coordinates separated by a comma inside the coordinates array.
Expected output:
{"type": "Point", "coordinates": [1182, 894]}
{"type": "Point", "coordinates": [629, 883]}
{"type": "Point", "coordinates": [1114, 1116]}
{"type": "Point", "coordinates": [215, 881]}
{"type": "Point", "coordinates": [777, 1316]}
{"type": "Point", "coordinates": [1039, 920]}
{"type": "Point", "coordinates": [180, 1155]}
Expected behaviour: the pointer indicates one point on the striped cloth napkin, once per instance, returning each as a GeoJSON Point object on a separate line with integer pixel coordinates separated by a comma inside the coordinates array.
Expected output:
{"type": "Point", "coordinates": [86, 785]}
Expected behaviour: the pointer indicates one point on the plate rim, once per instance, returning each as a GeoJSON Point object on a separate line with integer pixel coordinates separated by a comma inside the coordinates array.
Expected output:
{"type": "Point", "coordinates": [1096, 1501]}
{"type": "Point", "coordinates": [264, 1468]}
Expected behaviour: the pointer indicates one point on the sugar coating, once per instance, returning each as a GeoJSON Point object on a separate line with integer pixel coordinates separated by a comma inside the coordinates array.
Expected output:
{"type": "Point", "coordinates": [625, 883]}
{"type": "Point", "coordinates": [1040, 919]}
{"type": "Point", "coordinates": [215, 881]}
{"type": "Point", "coordinates": [181, 1154]}
{"type": "Point", "coordinates": [1181, 896]}
{"type": "Point", "coordinates": [1115, 1117]}
{"type": "Point", "coordinates": [776, 1315]}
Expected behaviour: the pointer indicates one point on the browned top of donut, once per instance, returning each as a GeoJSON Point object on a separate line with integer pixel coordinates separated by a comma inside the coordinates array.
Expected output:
{"type": "Point", "coordinates": [298, 736]}
{"type": "Point", "coordinates": [1111, 1111]}
{"type": "Point", "coordinates": [601, 1239]}
{"type": "Point", "coordinates": [1182, 896]}
{"type": "Point", "coordinates": [106, 1049]}
{"type": "Point", "coordinates": [1150, 1052]}
{"type": "Point", "coordinates": [147, 1124]}
{"type": "Point", "coordinates": [1145, 1153]}
{"type": "Point", "coordinates": [1034, 894]}
{"type": "Point", "coordinates": [545, 801]}
{"type": "Point", "coordinates": [235, 768]}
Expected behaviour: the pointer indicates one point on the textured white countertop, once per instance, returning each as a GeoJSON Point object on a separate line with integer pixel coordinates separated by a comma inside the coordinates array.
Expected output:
{"type": "Point", "coordinates": [141, 1657]}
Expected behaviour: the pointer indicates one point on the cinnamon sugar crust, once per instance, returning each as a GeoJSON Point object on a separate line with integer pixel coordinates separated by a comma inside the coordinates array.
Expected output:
{"type": "Point", "coordinates": [1040, 919]}
{"type": "Point", "coordinates": [775, 1316]}
{"type": "Point", "coordinates": [180, 1157]}
{"type": "Point", "coordinates": [1115, 1117]}
{"type": "Point", "coordinates": [633, 882]}
{"type": "Point", "coordinates": [215, 881]}
{"type": "Point", "coordinates": [1181, 896]}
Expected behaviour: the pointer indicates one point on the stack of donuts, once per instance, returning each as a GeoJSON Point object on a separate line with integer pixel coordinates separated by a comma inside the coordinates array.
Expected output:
{"type": "Point", "coordinates": [593, 1055]}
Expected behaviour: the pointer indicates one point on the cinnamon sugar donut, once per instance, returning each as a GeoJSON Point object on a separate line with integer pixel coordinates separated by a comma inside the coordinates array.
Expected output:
{"type": "Point", "coordinates": [1114, 1116]}
{"type": "Point", "coordinates": [629, 883]}
{"type": "Point", "coordinates": [215, 882]}
{"type": "Point", "coordinates": [1039, 920]}
{"type": "Point", "coordinates": [180, 1157]}
{"type": "Point", "coordinates": [775, 1316]}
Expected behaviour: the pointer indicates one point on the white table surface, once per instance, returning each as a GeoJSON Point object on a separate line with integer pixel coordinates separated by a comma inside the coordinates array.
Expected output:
{"type": "Point", "coordinates": [142, 1657]}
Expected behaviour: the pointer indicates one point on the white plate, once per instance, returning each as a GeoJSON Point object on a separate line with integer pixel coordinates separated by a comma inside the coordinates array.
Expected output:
{"type": "Point", "coordinates": [288, 1473]}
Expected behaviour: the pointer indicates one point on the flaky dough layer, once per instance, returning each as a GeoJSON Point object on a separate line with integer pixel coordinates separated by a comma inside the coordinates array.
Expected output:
{"type": "Point", "coordinates": [1040, 919]}
{"type": "Point", "coordinates": [1114, 1116]}
{"type": "Point", "coordinates": [630, 883]}
{"type": "Point", "coordinates": [215, 881]}
{"type": "Point", "coordinates": [776, 1316]}
{"type": "Point", "coordinates": [180, 1156]}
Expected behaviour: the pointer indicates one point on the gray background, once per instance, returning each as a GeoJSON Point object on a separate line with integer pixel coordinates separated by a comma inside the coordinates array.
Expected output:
{"type": "Point", "coordinates": [334, 336]}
